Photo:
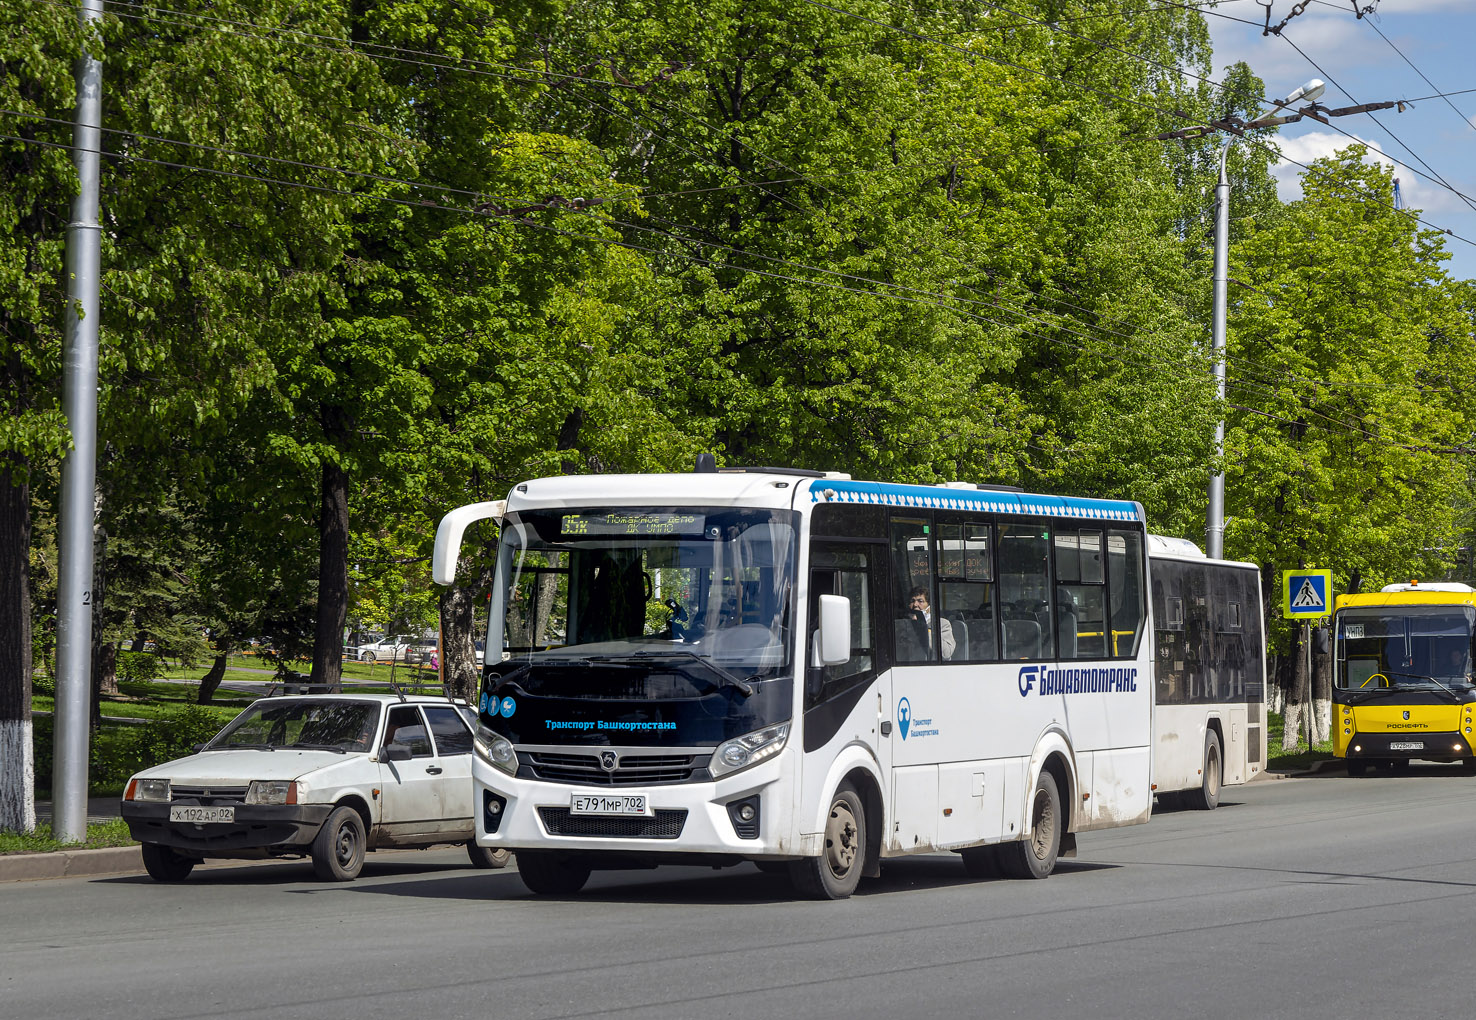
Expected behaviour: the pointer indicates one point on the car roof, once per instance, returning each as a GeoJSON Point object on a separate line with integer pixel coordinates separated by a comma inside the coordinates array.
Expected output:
{"type": "Point", "coordinates": [383, 698]}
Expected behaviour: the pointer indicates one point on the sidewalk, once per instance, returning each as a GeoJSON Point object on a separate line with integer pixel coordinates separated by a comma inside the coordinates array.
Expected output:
{"type": "Point", "coordinates": [70, 863]}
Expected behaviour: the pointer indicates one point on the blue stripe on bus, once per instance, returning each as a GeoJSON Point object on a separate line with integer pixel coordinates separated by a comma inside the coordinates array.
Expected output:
{"type": "Point", "coordinates": [937, 498]}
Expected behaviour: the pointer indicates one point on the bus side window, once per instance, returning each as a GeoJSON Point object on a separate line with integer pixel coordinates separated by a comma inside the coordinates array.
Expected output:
{"type": "Point", "coordinates": [966, 589]}
{"type": "Point", "coordinates": [1127, 606]}
{"type": "Point", "coordinates": [1081, 595]}
{"type": "Point", "coordinates": [849, 571]}
{"type": "Point", "coordinates": [912, 570]}
{"type": "Point", "coordinates": [1026, 627]}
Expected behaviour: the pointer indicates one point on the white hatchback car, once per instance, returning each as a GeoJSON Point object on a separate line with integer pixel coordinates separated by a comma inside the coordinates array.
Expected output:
{"type": "Point", "coordinates": [326, 776]}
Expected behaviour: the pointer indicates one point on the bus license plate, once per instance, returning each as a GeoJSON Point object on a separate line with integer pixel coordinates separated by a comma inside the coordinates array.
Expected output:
{"type": "Point", "coordinates": [1406, 745]}
{"type": "Point", "coordinates": [200, 814]}
{"type": "Point", "coordinates": [635, 804]}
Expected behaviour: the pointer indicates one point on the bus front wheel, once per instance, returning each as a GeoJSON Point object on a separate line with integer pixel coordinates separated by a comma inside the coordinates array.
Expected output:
{"type": "Point", "coordinates": [1035, 857]}
{"type": "Point", "coordinates": [834, 874]}
{"type": "Point", "coordinates": [1207, 797]}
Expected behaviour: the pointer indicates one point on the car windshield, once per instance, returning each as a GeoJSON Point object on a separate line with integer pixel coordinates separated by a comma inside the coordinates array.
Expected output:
{"type": "Point", "coordinates": [1415, 646]}
{"type": "Point", "coordinates": [288, 723]}
{"type": "Point", "coordinates": [702, 591]}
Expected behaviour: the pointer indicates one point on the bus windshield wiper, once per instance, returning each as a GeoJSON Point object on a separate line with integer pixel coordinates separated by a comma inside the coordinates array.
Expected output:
{"type": "Point", "coordinates": [1426, 676]}
{"type": "Point", "coordinates": [744, 687]}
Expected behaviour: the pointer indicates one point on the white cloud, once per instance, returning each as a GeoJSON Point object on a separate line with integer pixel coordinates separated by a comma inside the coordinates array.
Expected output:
{"type": "Point", "coordinates": [1417, 192]}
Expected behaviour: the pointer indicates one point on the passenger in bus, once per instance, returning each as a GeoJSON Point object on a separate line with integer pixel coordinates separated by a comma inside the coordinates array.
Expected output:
{"type": "Point", "coordinates": [921, 614]}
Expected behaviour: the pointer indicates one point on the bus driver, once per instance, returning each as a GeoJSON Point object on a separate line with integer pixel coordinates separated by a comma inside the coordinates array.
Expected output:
{"type": "Point", "coordinates": [922, 615]}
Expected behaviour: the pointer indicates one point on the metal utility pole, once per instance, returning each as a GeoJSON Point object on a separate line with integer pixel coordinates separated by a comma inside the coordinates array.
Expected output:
{"type": "Point", "coordinates": [79, 468]}
{"type": "Point", "coordinates": [1214, 529]}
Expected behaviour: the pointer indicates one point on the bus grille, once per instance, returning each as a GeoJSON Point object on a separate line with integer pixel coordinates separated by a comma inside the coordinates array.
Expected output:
{"type": "Point", "coordinates": [665, 825]}
{"type": "Point", "coordinates": [633, 770]}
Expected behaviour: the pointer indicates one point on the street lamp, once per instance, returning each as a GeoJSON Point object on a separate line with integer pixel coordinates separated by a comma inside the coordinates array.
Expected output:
{"type": "Point", "coordinates": [1214, 531]}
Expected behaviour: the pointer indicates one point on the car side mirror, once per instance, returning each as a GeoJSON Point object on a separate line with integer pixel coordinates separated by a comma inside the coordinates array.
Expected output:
{"type": "Point", "coordinates": [833, 636]}
{"type": "Point", "coordinates": [395, 752]}
{"type": "Point", "coordinates": [197, 748]}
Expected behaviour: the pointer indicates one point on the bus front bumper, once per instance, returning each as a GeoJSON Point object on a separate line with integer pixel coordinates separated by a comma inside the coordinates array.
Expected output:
{"type": "Point", "coordinates": [1401, 746]}
{"type": "Point", "coordinates": [701, 819]}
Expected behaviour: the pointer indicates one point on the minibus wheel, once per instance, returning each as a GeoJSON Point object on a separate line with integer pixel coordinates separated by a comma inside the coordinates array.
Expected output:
{"type": "Point", "coordinates": [834, 874]}
{"type": "Point", "coordinates": [1035, 856]}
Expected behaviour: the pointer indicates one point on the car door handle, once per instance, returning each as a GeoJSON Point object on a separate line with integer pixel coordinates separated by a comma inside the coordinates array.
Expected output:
{"type": "Point", "coordinates": [434, 770]}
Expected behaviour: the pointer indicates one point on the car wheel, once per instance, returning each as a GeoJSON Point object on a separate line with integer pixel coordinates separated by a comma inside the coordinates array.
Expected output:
{"type": "Point", "coordinates": [834, 874]}
{"type": "Point", "coordinates": [1035, 857]}
{"type": "Point", "coordinates": [165, 864]}
{"type": "Point", "coordinates": [487, 857]}
{"type": "Point", "coordinates": [366, 656]}
{"type": "Point", "coordinates": [338, 848]}
{"type": "Point", "coordinates": [550, 874]}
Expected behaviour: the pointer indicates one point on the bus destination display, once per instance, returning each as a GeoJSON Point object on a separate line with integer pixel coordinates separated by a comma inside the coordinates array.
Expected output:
{"type": "Point", "coordinates": [633, 524]}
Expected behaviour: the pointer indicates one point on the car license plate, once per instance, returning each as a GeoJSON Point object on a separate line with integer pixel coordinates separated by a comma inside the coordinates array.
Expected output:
{"type": "Point", "coordinates": [636, 804]}
{"type": "Point", "coordinates": [200, 814]}
{"type": "Point", "coordinates": [1406, 745]}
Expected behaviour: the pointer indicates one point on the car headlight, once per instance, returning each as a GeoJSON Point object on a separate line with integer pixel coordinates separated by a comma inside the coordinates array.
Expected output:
{"type": "Point", "coordinates": [272, 791]}
{"type": "Point", "coordinates": [148, 790]}
{"type": "Point", "coordinates": [749, 749]}
{"type": "Point", "coordinates": [496, 750]}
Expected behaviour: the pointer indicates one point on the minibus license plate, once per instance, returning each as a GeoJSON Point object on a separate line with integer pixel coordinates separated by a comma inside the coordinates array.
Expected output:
{"type": "Point", "coordinates": [199, 814]}
{"type": "Point", "coordinates": [635, 804]}
{"type": "Point", "coordinates": [1406, 745]}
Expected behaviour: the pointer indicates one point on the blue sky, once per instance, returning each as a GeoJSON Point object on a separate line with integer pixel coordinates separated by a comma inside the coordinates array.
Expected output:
{"type": "Point", "coordinates": [1437, 36]}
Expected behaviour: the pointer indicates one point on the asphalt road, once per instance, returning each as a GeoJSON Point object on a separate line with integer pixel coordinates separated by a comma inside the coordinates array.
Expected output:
{"type": "Point", "coordinates": [1319, 897]}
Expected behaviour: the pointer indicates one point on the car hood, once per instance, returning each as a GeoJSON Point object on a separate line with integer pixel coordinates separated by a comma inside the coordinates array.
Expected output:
{"type": "Point", "coordinates": [236, 768]}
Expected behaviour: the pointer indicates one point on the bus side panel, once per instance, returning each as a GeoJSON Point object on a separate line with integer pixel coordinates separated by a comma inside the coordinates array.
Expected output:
{"type": "Point", "coordinates": [970, 802]}
{"type": "Point", "coordinates": [915, 800]}
{"type": "Point", "coordinates": [1119, 784]}
{"type": "Point", "coordinates": [1235, 755]}
{"type": "Point", "coordinates": [1179, 756]}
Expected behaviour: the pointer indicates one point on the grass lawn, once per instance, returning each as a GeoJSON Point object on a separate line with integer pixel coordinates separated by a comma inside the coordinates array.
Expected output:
{"type": "Point", "coordinates": [100, 834]}
{"type": "Point", "coordinates": [1303, 757]}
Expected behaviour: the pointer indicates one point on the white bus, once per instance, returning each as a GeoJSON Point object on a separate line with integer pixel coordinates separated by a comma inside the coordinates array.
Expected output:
{"type": "Point", "coordinates": [751, 665]}
{"type": "Point", "coordinates": [1209, 719]}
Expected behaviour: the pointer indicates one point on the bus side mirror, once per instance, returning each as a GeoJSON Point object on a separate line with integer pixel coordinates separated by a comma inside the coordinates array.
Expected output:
{"type": "Point", "coordinates": [833, 636]}
{"type": "Point", "coordinates": [448, 536]}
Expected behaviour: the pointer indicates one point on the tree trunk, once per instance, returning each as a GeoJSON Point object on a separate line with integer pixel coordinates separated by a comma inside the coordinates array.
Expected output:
{"type": "Point", "coordinates": [461, 676]}
{"type": "Point", "coordinates": [17, 753]}
{"type": "Point", "coordinates": [1294, 722]}
{"type": "Point", "coordinates": [333, 524]}
{"type": "Point", "coordinates": [210, 682]}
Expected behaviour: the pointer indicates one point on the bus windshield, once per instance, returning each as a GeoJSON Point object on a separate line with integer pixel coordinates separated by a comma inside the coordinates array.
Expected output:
{"type": "Point", "coordinates": [686, 598]}
{"type": "Point", "coordinates": [1404, 646]}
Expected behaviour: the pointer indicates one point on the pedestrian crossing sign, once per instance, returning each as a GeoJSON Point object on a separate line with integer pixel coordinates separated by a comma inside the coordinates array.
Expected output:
{"type": "Point", "coordinates": [1306, 594]}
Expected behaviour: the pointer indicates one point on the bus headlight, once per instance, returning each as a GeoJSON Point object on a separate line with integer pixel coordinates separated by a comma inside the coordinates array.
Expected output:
{"type": "Point", "coordinates": [496, 750]}
{"type": "Point", "coordinates": [749, 749]}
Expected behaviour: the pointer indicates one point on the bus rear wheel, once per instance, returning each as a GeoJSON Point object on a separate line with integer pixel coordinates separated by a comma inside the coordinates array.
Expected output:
{"type": "Point", "coordinates": [1035, 857]}
{"type": "Point", "coordinates": [835, 873]}
{"type": "Point", "coordinates": [1207, 797]}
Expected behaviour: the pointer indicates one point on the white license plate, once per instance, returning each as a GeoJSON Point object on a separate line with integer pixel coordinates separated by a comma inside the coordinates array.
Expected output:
{"type": "Point", "coordinates": [636, 804]}
{"type": "Point", "coordinates": [1406, 745]}
{"type": "Point", "coordinates": [200, 815]}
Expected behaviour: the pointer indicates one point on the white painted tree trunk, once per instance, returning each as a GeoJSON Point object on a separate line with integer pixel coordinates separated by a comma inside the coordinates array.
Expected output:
{"type": "Point", "coordinates": [17, 776]}
{"type": "Point", "coordinates": [1292, 726]}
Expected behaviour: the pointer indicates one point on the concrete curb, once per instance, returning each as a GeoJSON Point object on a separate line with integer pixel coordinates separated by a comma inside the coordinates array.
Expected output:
{"type": "Point", "coordinates": [115, 860]}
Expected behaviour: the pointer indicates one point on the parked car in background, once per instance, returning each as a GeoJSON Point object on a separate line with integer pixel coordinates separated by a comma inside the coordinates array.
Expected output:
{"type": "Point", "coordinates": [330, 777]}
{"type": "Point", "coordinates": [420, 653]}
{"type": "Point", "coordinates": [385, 649]}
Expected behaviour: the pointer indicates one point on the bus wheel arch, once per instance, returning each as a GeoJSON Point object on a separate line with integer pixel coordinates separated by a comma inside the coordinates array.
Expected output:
{"type": "Point", "coordinates": [869, 790]}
